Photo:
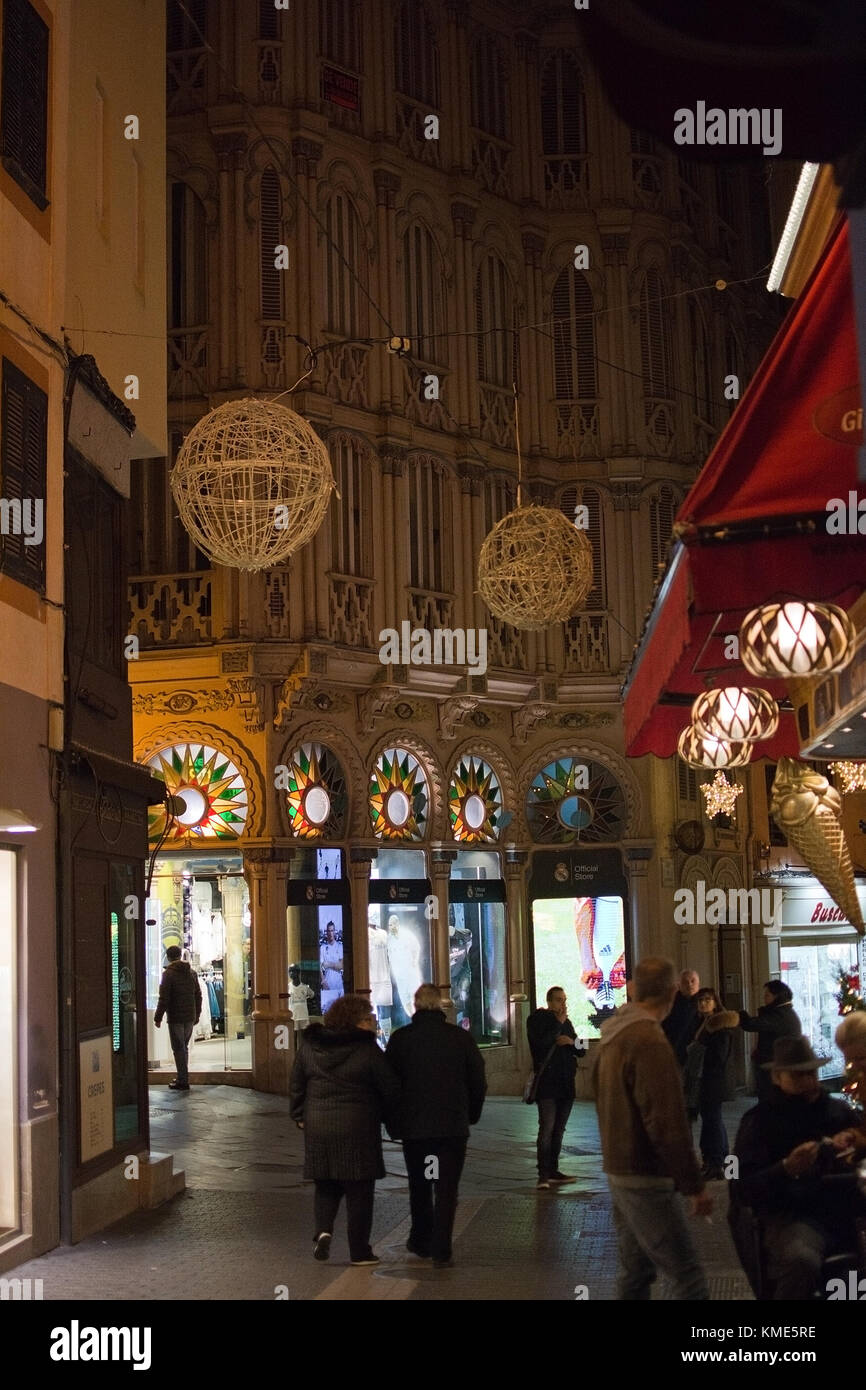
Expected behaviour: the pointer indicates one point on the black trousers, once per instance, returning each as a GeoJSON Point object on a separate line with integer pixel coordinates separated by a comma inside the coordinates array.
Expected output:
{"type": "Point", "coordinates": [433, 1199]}
{"type": "Point", "coordinates": [553, 1113]}
{"type": "Point", "coordinates": [359, 1211]}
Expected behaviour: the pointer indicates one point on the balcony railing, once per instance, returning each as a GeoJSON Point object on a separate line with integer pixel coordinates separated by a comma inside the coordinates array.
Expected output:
{"type": "Point", "coordinates": [587, 647]}
{"type": "Point", "coordinates": [350, 610]}
{"type": "Point", "coordinates": [497, 415]}
{"type": "Point", "coordinates": [660, 424]}
{"type": "Point", "coordinates": [171, 609]}
{"type": "Point", "coordinates": [491, 162]}
{"type": "Point", "coordinates": [410, 120]}
{"type": "Point", "coordinates": [566, 181]}
{"type": "Point", "coordinates": [429, 609]}
{"type": "Point", "coordinates": [577, 429]}
{"type": "Point", "coordinates": [506, 646]}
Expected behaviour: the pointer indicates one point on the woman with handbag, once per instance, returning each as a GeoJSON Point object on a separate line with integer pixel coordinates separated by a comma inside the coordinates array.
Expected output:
{"type": "Point", "coordinates": [552, 1041]}
{"type": "Point", "coordinates": [708, 1080]}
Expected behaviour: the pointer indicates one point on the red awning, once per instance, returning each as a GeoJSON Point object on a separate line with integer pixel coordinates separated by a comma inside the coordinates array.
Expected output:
{"type": "Point", "coordinates": [752, 529]}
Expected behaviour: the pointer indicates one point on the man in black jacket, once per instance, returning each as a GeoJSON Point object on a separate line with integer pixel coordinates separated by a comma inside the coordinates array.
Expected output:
{"type": "Point", "coordinates": [180, 998]}
{"type": "Point", "coordinates": [552, 1044]}
{"type": "Point", "coordinates": [683, 1020]}
{"type": "Point", "coordinates": [443, 1086]}
{"type": "Point", "coordinates": [803, 1214]}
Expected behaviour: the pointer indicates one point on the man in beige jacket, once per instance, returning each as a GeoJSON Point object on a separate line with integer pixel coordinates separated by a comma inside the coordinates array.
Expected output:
{"type": "Point", "coordinates": [646, 1141]}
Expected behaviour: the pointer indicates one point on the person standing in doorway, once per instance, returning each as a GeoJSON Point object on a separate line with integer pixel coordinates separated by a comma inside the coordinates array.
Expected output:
{"type": "Point", "coordinates": [683, 1021]}
{"type": "Point", "coordinates": [646, 1143]}
{"type": "Point", "coordinates": [775, 1019]}
{"type": "Point", "coordinates": [180, 1001]}
{"type": "Point", "coordinates": [552, 1042]}
{"type": "Point", "coordinates": [441, 1073]}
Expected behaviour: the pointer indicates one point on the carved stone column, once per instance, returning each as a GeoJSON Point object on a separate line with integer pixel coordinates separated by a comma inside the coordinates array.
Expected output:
{"type": "Point", "coordinates": [614, 328]}
{"type": "Point", "coordinates": [387, 185]}
{"type": "Point", "coordinates": [241, 232]}
{"type": "Point", "coordinates": [471, 482]}
{"type": "Point", "coordinates": [360, 859]}
{"type": "Point", "coordinates": [441, 859]}
{"type": "Point", "coordinates": [306, 155]}
{"type": "Point", "coordinates": [266, 872]}
{"type": "Point", "coordinates": [465, 407]}
{"type": "Point", "coordinates": [517, 932]}
{"type": "Point", "coordinates": [531, 387]}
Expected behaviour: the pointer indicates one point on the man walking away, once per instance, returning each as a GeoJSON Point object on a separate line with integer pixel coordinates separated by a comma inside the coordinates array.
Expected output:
{"type": "Point", "coordinates": [441, 1073]}
{"type": "Point", "coordinates": [646, 1142]}
{"type": "Point", "coordinates": [683, 1020]}
{"type": "Point", "coordinates": [552, 1043]}
{"type": "Point", "coordinates": [180, 999]}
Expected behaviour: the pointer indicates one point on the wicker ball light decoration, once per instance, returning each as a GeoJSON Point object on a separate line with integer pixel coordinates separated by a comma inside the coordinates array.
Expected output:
{"type": "Point", "coordinates": [703, 750]}
{"type": "Point", "coordinates": [736, 715]}
{"type": "Point", "coordinates": [535, 568]}
{"type": "Point", "coordinates": [252, 483]}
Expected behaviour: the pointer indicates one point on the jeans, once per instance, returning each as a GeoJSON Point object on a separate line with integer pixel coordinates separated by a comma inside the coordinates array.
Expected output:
{"type": "Point", "coordinates": [179, 1036]}
{"type": "Point", "coordinates": [714, 1137]}
{"type": "Point", "coordinates": [553, 1116]}
{"type": "Point", "coordinates": [359, 1211]}
{"type": "Point", "coordinates": [653, 1237]}
{"type": "Point", "coordinates": [433, 1201]}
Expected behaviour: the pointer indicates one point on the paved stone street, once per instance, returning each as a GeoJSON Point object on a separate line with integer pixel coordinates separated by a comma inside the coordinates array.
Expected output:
{"type": "Point", "coordinates": [243, 1228]}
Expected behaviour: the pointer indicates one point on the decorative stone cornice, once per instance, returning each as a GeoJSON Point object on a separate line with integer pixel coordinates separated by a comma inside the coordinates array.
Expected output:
{"type": "Point", "coordinates": [453, 713]}
{"type": "Point", "coordinates": [307, 154]}
{"type": "Point", "coordinates": [249, 695]}
{"type": "Point", "coordinates": [262, 856]}
{"type": "Point", "coordinates": [181, 701]}
{"type": "Point", "coordinates": [626, 494]}
{"type": "Point", "coordinates": [527, 718]}
{"type": "Point", "coordinates": [463, 216]}
{"type": "Point", "coordinates": [387, 187]}
{"type": "Point", "coordinates": [471, 477]}
{"type": "Point", "coordinates": [393, 458]}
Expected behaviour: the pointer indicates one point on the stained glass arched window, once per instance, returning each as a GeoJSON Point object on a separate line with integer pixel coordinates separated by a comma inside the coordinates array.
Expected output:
{"type": "Point", "coordinates": [575, 800]}
{"type": "Point", "coordinates": [316, 793]}
{"type": "Point", "coordinates": [212, 788]}
{"type": "Point", "coordinates": [399, 797]}
{"type": "Point", "coordinates": [474, 801]}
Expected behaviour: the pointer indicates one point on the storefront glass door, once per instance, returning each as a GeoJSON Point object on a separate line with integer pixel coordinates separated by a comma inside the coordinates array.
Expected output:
{"type": "Point", "coordinates": [811, 972]}
{"type": "Point", "coordinates": [201, 903]}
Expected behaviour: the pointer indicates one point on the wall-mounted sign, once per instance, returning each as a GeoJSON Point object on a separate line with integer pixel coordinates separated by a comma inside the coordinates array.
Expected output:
{"type": "Point", "coordinates": [398, 890]}
{"type": "Point", "coordinates": [593, 872]}
{"type": "Point", "coordinates": [95, 1094]}
{"type": "Point", "coordinates": [811, 906]}
{"type": "Point", "coordinates": [341, 89]}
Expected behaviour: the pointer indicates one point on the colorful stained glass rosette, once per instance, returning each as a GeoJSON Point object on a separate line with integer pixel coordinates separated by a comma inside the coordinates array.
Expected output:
{"type": "Point", "coordinates": [398, 796]}
{"type": "Point", "coordinates": [316, 795]}
{"type": "Point", "coordinates": [211, 787]}
{"type": "Point", "coordinates": [571, 800]}
{"type": "Point", "coordinates": [474, 801]}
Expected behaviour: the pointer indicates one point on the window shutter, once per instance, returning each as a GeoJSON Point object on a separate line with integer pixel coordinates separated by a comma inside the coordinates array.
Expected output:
{"type": "Point", "coordinates": [24, 104]}
{"type": "Point", "coordinates": [184, 34]}
{"type": "Point", "coordinates": [654, 338]}
{"type": "Point", "coordinates": [270, 232]}
{"type": "Point", "coordinates": [23, 447]}
{"type": "Point", "coordinates": [416, 54]}
{"type": "Point", "coordinates": [269, 20]}
{"type": "Point", "coordinates": [663, 509]}
{"type": "Point", "coordinates": [590, 498]}
{"type": "Point", "coordinates": [563, 110]}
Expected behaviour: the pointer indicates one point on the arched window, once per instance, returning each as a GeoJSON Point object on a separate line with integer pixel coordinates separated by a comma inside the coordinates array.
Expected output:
{"type": "Point", "coordinates": [655, 338]}
{"type": "Point", "coordinates": [563, 108]}
{"type": "Point", "coordinates": [351, 509]}
{"type": "Point", "coordinates": [340, 33]}
{"type": "Point", "coordinates": [416, 54]}
{"type": "Point", "coordinates": [428, 525]}
{"type": "Point", "coordinates": [589, 497]}
{"type": "Point", "coordinates": [663, 509]}
{"type": "Point", "coordinates": [187, 300]}
{"type": "Point", "coordinates": [489, 95]}
{"type": "Point", "coordinates": [573, 337]}
{"type": "Point", "coordinates": [423, 294]}
{"type": "Point", "coordinates": [270, 233]}
{"type": "Point", "coordinates": [345, 305]}
{"type": "Point", "coordinates": [496, 323]}
{"type": "Point", "coordinates": [269, 20]}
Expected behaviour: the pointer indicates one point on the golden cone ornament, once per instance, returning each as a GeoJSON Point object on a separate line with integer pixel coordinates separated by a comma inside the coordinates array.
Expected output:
{"type": "Point", "coordinates": [807, 809]}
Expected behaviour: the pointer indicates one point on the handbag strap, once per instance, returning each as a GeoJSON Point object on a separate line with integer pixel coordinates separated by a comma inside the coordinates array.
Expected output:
{"type": "Point", "coordinates": [547, 1059]}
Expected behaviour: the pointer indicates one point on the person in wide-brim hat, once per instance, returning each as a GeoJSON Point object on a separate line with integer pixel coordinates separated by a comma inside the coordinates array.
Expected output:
{"type": "Point", "coordinates": [778, 1181]}
{"type": "Point", "coordinates": [794, 1054]}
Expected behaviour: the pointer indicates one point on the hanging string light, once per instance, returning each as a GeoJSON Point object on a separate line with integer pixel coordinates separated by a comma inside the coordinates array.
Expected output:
{"type": "Point", "coordinates": [736, 714]}
{"type": "Point", "coordinates": [796, 639]}
{"type": "Point", "coordinates": [851, 776]}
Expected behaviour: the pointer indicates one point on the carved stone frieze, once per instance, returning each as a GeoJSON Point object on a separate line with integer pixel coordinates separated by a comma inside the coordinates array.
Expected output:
{"type": "Point", "coordinates": [249, 698]}
{"type": "Point", "coordinates": [528, 717]}
{"type": "Point", "coordinates": [308, 694]}
{"type": "Point", "coordinates": [181, 701]}
{"type": "Point", "coordinates": [453, 713]}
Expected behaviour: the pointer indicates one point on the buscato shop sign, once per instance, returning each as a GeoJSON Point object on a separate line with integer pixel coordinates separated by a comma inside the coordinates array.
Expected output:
{"type": "Point", "coordinates": [812, 908]}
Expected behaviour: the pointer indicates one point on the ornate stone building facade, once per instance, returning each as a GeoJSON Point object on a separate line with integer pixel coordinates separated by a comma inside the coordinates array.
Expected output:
{"type": "Point", "coordinates": [535, 238]}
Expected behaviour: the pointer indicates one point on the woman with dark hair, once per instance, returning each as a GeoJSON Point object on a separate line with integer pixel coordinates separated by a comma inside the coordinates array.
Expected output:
{"type": "Point", "coordinates": [711, 1048]}
{"type": "Point", "coordinates": [341, 1090]}
{"type": "Point", "coordinates": [775, 1019]}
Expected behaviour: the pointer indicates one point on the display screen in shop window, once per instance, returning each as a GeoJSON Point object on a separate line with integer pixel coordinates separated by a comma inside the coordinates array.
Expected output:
{"type": "Point", "coordinates": [579, 944]}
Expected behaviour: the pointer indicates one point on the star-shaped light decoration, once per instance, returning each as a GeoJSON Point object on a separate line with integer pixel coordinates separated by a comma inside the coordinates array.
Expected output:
{"type": "Point", "coordinates": [850, 777]}
{"type": "Point", "coordinates": [720, 796]}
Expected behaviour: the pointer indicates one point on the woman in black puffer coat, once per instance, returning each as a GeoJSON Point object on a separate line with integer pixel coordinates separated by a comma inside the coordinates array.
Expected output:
{"type": "Point", "coordinates": [715, 1039]}
{"type": "Point", "coordinates": [341, 1091]}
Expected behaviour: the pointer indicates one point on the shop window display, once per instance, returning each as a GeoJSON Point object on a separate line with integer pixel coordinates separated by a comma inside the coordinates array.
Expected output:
{"type": "Point", "coordinates": [202, 905]}
{"type": "Point", "coordinates": [579, 944]}
{"type": "Point", "coordinates": [317, 917]}
{"type": "Point", "coordinates": [811, 972]}
{"type": "Point", "coordinates": [476, 929]}
{"type": "Point", "coordinates": [398, 928]}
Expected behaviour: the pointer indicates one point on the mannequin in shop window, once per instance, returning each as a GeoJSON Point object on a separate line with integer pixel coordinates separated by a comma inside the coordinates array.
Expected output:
{"type": "Point", "coordinates": [460, 944]}
{"type": "Point", "coordinates": [381, 991]}
{"type": "Point", "coordinates": [404, 958]}
{"type": "Point", "coordinates": [299, 999]}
